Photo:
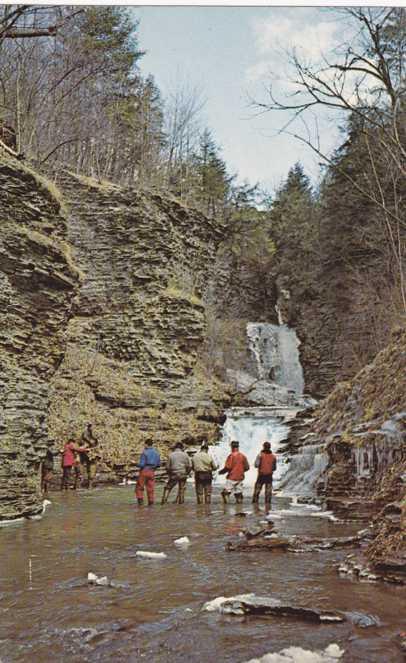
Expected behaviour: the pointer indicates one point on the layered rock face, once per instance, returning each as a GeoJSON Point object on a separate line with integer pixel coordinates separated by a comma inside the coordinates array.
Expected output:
{"type": "Point", "coordinates": [361, 427]}
{"type": "Point", "coordinates": [131, 365]}
{"type": "Point", "coordinates": [38, 281]}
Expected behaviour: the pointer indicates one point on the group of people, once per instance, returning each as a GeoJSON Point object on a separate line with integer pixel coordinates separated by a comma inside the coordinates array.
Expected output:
{"type": "Point", "coordinates": [180, 465]}
{"type": "Point", "coordinates": [78, 461]}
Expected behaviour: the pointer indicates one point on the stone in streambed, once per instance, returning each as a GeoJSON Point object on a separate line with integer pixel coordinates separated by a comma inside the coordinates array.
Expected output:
{"type": "Point", "coordinates": [362, 619]}
{"type": "Point", "coordinates": [250, 604]}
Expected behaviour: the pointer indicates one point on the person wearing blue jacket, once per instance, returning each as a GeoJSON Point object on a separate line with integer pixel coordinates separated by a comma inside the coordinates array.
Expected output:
{"type": "Point", "coordinates": [149, 462]}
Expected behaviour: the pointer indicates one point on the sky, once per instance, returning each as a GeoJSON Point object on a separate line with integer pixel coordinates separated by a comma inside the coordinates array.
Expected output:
{"type": "Point", "coordinates": [231, 54]}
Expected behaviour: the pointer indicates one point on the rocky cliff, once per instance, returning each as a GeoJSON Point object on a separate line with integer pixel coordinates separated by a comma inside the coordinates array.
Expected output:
{"type": "Point", "coordinates": [132, 363]}
{"type": "Point", "coordinates": [361, 430]}
{"type": "Point", "coordinates": [38, 282]}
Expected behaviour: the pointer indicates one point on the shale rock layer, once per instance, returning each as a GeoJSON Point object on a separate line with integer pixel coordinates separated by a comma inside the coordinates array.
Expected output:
{"type": "Point", "coordinates": [132, 361]}
{"type": "Point", "coordinates": [38, 281]}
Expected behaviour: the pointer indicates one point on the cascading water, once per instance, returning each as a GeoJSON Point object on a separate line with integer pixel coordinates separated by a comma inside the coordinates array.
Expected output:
{"type": "Point", "coordinates": [276, 350]}
{"type": "Point", "coordinates": [251, 427]}
{"type": "Point", "coordinates": [279, 386]}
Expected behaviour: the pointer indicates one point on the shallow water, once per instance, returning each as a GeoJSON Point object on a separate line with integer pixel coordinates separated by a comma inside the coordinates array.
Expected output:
{"type": "Point", "coordinates": [49, 613]}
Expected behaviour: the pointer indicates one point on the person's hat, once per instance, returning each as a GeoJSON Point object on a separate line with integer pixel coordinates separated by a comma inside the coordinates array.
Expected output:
{"type": "Point", "coordinates": [235, 444]}
{"type": "Point", "coordinates": [267, 445]}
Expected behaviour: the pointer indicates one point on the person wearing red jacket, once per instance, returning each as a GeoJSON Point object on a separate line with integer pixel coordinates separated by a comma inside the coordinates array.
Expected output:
{"type": "Point", "coordinates": [235, 467]}
{"type": "Point", "coordinates": [266, 464]}
{"type": "Point", "coordinates": [69, 461]}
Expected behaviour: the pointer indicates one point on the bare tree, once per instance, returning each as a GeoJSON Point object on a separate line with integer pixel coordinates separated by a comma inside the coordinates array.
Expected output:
{"type": "Point", "coordinates": [183, 109]}
{"type": "Point", "coordinates": [366, 81]}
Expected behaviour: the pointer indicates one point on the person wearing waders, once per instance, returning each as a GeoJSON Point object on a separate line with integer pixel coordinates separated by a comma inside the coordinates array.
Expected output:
{"type": "Point", "coordinates": [235, 467]}
{"type": "Point", "coordinates": [178, 468]}
{"type": "Point", "coordinates": [266, 464]}
{"type": "Point", "coordinates": [203, 467]}
{"type": "Point", "coordinates": [149, 462]}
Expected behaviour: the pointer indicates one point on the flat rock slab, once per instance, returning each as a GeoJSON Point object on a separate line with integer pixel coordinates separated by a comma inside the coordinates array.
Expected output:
{"type": "Point", "coordinates": [250, 604]}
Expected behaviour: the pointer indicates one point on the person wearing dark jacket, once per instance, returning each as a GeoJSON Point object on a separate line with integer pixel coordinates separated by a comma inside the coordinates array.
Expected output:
{"type": "Point", "coordinates": [265, 462]}
{"type": "Point", "coordinates": [149, 462]}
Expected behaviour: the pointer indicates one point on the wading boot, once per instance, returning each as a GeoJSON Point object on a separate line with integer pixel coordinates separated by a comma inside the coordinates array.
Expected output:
{"type": "Point", "coordinates": [165, 496]}
{"type": "Point", "coordinates": [224, 495]}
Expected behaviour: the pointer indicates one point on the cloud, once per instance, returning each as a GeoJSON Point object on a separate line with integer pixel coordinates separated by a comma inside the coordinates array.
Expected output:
{"type": "Point", "coordinates": [292, 32]}
{"type": "Point", "coordinates": [278, 34]}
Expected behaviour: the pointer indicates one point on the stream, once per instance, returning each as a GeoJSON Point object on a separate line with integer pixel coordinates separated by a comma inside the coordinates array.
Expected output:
{"type": "Point", "coordinates": [152, 609]}
{"type": "Point", "coordinates": [48, 612]}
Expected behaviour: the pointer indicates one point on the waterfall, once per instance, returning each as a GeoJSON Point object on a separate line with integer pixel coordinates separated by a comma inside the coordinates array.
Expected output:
{"type": "Point", "coordinates": [279, 386]}
{"type": "Point", "coordinates": [252, 427]}
{"type": "Point", "coordinates": [276, 352]}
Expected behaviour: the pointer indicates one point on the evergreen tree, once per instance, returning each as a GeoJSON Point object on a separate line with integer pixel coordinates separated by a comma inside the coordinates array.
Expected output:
{"type": "Point", "coordinates": [214, 179]}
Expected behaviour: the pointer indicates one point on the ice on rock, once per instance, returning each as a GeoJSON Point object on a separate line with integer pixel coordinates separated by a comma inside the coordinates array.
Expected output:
{"type": "Point", "coordinates": [146, 554]}
{"type": "Point", "coordinates": [184, 541]}
{"type": "Point", "coordinates": [217, 604]}
{"type": "Point", "coordinates": [93, 579]}
{"type": "Point", "coordinates": [331, 654]}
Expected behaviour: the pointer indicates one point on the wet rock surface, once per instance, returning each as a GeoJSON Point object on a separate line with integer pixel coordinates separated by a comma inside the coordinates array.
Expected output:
{"type": "Point", "coordinates": [351, 451]}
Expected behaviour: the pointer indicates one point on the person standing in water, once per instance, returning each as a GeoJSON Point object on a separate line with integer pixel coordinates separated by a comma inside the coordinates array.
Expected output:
{"type": "Point", "coordinates": [178, 468]}
{"type": "Point", "coordinates": [235, 467]}
{"type": "Point", "coordinates": [149, 461]}
{"type": "Point", "coordinates": [203, 466]}
{"type": "Point", "coordinates": [266, 464]}
{"type": "Point", "coordinates": [47, 468]}
{"type": "Point", "coordinates": [88, 459]}
{"type": "Point", "coordinates": [69, 460]}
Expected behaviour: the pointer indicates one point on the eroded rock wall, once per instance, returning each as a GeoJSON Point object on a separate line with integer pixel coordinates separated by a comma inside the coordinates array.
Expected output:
{"type": "Point", "coordinates": [132, 362]}
{"type": "Point", "coordinates": [362, 427]}
{"type": "Point", "coordinates": [37, 283]}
